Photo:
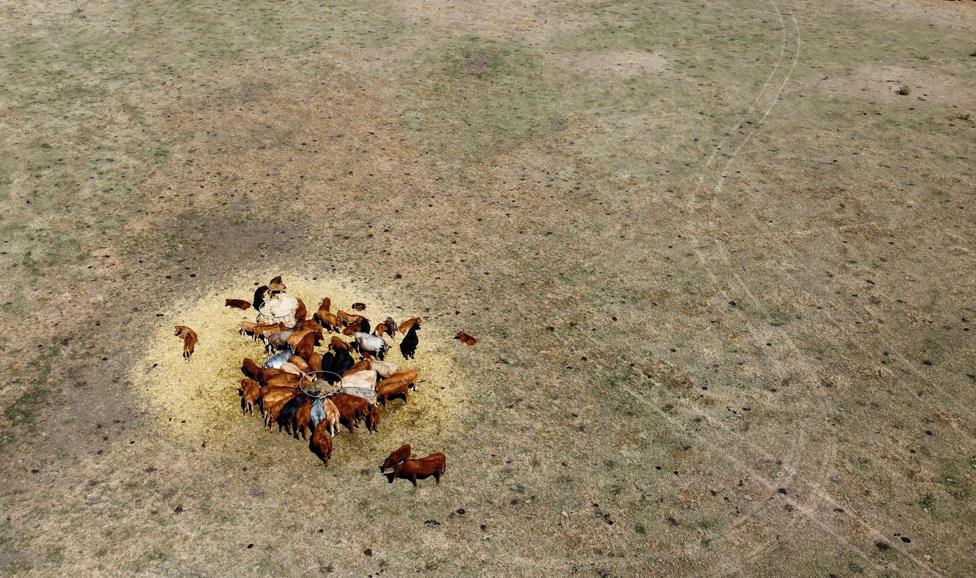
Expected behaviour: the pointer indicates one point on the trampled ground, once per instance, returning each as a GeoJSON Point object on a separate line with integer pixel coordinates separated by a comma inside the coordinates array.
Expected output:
{"type": "Point", "coordinates": [721, 272]}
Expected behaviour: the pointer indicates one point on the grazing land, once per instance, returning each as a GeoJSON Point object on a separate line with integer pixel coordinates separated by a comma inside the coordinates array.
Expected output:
{"type": "Point", "coordinates": [718, 257]}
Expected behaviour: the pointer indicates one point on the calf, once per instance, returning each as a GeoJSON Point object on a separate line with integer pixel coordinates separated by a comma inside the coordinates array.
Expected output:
{"type": "Point", "coordinates": [190, 339]}
{"type": "Point", "coordinates": [396, 456]}
{"type": "Point", "coordinates": [250, 392]}
{"type": "Point", "coordinates": [237, 304]}
{"type": "Point", "coordinates": [301, 313]}
{"type": "Point", "coordinates": [321, 443]}
{"type": "Point", "coordinates": [419, 469]}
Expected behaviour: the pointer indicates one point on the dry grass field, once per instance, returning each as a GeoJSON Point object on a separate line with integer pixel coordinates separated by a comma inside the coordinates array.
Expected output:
{"type": "Point", "coordinates": [719, 257]}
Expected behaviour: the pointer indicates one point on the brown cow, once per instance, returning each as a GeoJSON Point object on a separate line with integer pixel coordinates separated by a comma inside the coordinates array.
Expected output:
{"type": "Point", "coordinates": [357, 367]}
{"type": "Point", "coordinates": [406, 325]}
{"type": "Point", "coordinates": [323, 316]}
{"type": "Point", "coordinates": [252, 370]}
{"type": "Point", "coordinates": [271, 411]}
{"type": "Point", "coordinates": [419, 469]}
{"type": "Point", "coordinates": [337, 344]}
{"type": "Point", "coordinates": [352, 409]}
{"type": "Point", "coordinates": [331, 416]}
{"type": "Point", "coordinates": [347, 319]}
{"type": "Point", "coordinates": [299, 363]}
{"type": "Point", "coordinates": [303, 418]}
{"type": "Point", "coordinates": [396, 456]}
{"type": "Point", "coordinates": [321, 443]}
{"type": "Point", "coordinates": [270, 393]}
{"type": "Point", "coordinates": [270, 372]}
{"type": "Point", "coordinates": [250, 392]}
{"type": "Point", "coordinates": [298, 334]}
{"type": "Point", "coordinates": [282, 380]}
{"type": "Point", "coordinates": [315, 362]}
{"type": "Point", "coordinates": [237, 304]}
{"type": "Point", "coordinates": [352, 328]}
{"type": "Point", "coordinates": [407, 376]}
{"type": "Point", "coordinates": [373, 418]}
{"type": "Point", "coordinates": [387, 391]}
{"type": "Point", "coordinates": [301, 313]}
{"type": "Point", "coordinates": [306, 347]}
{"type": "Point", "coordinates": [307, 324]}
{"type": "Point", "coordinates": [189, 337]}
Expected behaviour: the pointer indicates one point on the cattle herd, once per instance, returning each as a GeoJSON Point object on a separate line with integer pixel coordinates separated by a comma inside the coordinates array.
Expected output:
{"type": "Point", "coordinates": [309, 393]}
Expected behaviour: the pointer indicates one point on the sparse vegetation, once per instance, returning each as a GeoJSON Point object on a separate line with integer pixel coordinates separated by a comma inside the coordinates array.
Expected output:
{"type": "Point", "coordinates": [904, 90]}
{"type": "Point", "coordinates": [698, 270]}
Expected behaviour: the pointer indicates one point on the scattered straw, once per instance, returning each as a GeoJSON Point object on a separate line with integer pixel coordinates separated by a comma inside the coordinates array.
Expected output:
{"type": "Point", "coordinates": [199, 397]}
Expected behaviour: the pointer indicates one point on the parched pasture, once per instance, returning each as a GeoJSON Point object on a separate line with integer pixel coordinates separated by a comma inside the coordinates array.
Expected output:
{"type": "Point", "coordinates": [718, 259]}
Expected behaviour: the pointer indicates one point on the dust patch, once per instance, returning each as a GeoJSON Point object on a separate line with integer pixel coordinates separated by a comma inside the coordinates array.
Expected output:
{"type": "Point", "coordinates": [625, 63]}
{"type": "Point", "coordinates": [198, 398]}
{"type": "Point", "coordinates": [882, 83]}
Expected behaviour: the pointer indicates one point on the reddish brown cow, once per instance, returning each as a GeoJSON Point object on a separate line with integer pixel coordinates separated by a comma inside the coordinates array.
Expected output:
{"type": "Point", "coordinates": [307, 324]}
{"type": "Point", "coordinates": [237, 304]}
{"type": "Point", "coordinates": [373, 418]}
{"type": "Point", "coordinates": [407, 377]}
{"type": "Point", "coordinates": [352, 329]}
{"type": "Point", "coordinates": [396, 456]}
{"type": "Point", "coordinates": [303, 418]}
{"type": "Point", "coordinates": [282, 380]}
{"type": "Point", "coordinates": [315, 362]}
{"type": "Point", "coordinates": [271, 411]}
{"type": "Point", "coordinates": [306, 347]}
{"type": "Point", "coordinates": [347, 319]}
{"type": "Point", "coordinates": [189, 338]}
{"type": "Point", "coordinates": [419, 469]}
{"type": "Point", "coordinates": [357, 367]}
{"type": "Point", "coordinates": [301, 313]}
{"type": "Point", "coordinates": [337, 344]}
{"type": "Point", "coordinates": [274, 396]}
{"type": "Point", "coordinates": [321, 443]}
{"type": "Point", "coordinates": [387, 391]}
{"type": "Point", "coordinates": [252, 370]}
{"type": "Point", "coordinates": [250, 392]}
{"type": "Point", "coordinates": [406, 325]}
{"type": "Point", "coordinates": [299, 363]}
{"type": "Point", "coordinates": [352, 409]}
